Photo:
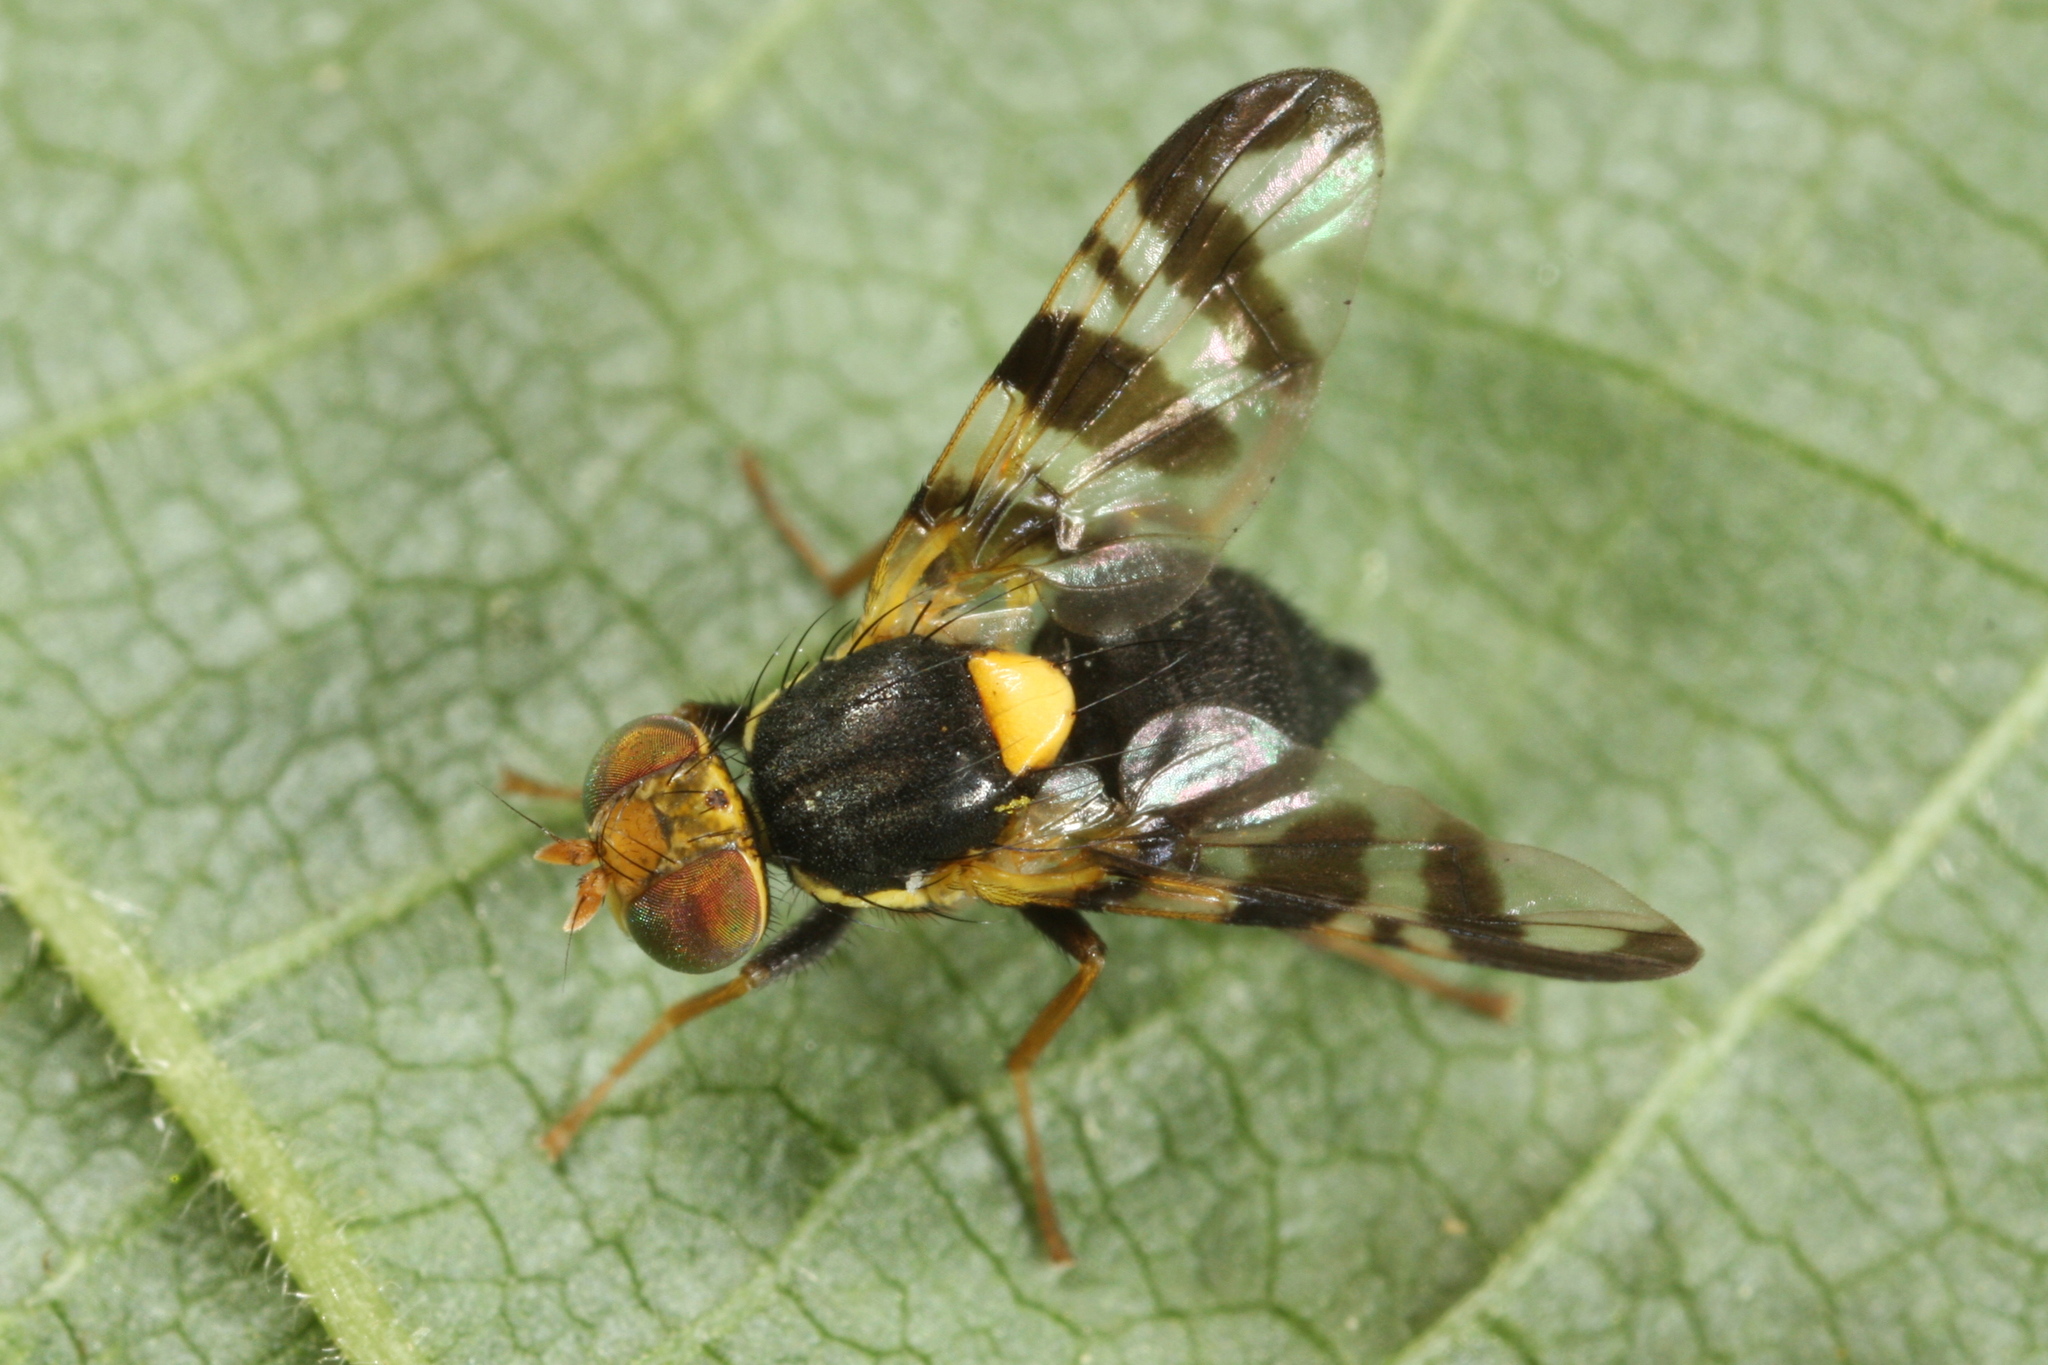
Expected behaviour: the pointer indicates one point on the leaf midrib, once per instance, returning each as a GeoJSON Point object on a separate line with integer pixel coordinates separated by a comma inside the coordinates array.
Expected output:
{"type": "Point", "coordinates": [1911, 842]}
{"type": "Point", "coordinates": [168, 1045]}
{"type": "Point", "coordinates": [146, 1013]}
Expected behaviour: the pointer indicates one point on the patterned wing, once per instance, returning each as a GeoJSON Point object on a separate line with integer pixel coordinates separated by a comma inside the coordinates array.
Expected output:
{"type": "Point", "coordinates": [1230, 821]}
{"type": "Point", "coordinates": [1150, 402]}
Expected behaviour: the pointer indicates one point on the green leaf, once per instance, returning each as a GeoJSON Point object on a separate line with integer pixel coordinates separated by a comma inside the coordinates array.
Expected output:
{"type": "Point", "coordinates": [371, 385]}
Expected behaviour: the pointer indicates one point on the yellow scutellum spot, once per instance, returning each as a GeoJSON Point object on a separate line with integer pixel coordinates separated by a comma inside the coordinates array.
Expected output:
{"type": "Point", "coordinates": [1030, 706]}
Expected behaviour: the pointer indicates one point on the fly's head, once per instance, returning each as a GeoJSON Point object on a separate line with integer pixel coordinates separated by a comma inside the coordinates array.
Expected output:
{"type": "Point", "coordinates": [670, 848]}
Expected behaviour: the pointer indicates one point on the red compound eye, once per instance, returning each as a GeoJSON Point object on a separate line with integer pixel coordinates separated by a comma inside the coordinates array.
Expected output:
{"type": "Point", "coordinates": [704, 915]}
{"type": "Point", "coordinates": [638, 749]}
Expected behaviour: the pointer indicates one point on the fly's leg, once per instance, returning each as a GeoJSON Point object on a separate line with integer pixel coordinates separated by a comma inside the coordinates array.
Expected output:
{"type": "Point", "coordinates": [1493, 1004]}
{"type": "Point", "coordinates": [809, 939]}
{"type": "Point", "coordinates": [836, 585]}
{"type": "Point", "coordinates": [1071, 934]}
{"type": "Point", "coordinates": [512, 782]}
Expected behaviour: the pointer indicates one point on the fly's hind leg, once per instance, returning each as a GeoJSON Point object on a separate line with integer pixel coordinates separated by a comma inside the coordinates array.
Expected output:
{"type": "Point", "coordinates": [809, 939]}
{"type": "Point", "coordinates": [1493, 1004]}
{"type": "Point", "coordinates": [837, 584]}
{"type": "Point", "coordinates": [1071, 934]}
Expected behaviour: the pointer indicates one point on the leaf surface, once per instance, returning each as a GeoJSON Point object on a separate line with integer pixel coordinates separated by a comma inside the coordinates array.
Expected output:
{"type": "Point", "coordinates": [371, 385]}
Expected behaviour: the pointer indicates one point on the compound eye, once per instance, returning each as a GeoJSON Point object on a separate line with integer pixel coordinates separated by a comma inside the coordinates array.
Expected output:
{"type": "Point", "coordinates": [636, 750]}
{"type": "Point", "coordinates": [706, 914]}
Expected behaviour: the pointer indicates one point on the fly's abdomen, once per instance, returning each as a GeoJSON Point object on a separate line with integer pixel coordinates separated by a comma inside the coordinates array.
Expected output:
{"type": "Point", "coordinates": [878, 766]}
{"type": "Point", "coordinates": [1234, 643]}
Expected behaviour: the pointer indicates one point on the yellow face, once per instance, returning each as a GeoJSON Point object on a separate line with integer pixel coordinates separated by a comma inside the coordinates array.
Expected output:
{"type": "Point", "coordinates": [670, 848]}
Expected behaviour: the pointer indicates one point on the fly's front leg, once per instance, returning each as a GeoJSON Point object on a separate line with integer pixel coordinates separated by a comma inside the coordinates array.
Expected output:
{"type": "Point", "coordinates": [512, 782]}
{"type": "Point", "coordinates": [1071, 934]}
{"type": "Point", "coordinates": [809, 939]}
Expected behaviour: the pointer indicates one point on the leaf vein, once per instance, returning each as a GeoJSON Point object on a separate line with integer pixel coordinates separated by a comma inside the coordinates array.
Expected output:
{"type": "Point", "coordinates": [1859, 480]}
{"type": "Point", "coordinates": [1859, 899]}
{"type": "Point", "coordinates": [155, 1025]}
{"type": "Point", "coordinates": [685, 118]}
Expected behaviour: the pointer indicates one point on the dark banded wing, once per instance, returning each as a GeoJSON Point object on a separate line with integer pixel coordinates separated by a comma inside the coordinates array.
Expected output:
{"type": "Point", "coordinates": [1150, 402]}
{"type": "Point", "coordinates": [1232, 822]}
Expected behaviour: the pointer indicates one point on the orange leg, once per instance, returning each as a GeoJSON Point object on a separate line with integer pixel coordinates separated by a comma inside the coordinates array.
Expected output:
{"type": "Point", "coordinates": [674, 1017]}
{"type": "Point", "coordinates": [836, 585]}
{"type": "Point", "coordinates": [512, 782]}
{"type": "Point", "coordinates": [1071, 933]}
{"type": "Point", "coordinates": [1493, 1004]}
{"type": "Point", "coordinates": [809, 939]}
